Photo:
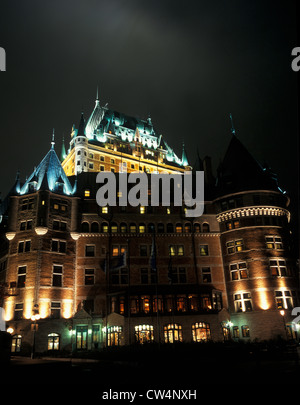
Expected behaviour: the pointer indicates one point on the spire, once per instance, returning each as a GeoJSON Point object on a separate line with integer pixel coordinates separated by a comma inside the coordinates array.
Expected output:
{"type": "Point", "coordinates": [63, 153]}
{"type": "Point", "coordinates": [81, 126]}
{"type": "Point", "coordinates": [232, 126]}
{"type": "Point", "coordinates": [52, 142]}
{"type": "Point", "coordinates": [97, 96]}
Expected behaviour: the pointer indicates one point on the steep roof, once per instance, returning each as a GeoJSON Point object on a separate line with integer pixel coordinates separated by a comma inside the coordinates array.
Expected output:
{"type": "Point", "coordinates": [48, 175]}
{"type": "Point", "coordinates": [240, 171]}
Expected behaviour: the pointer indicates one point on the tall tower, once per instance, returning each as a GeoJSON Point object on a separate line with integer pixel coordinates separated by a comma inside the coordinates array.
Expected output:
{"type": "Point", "coordinates": [259, 274]}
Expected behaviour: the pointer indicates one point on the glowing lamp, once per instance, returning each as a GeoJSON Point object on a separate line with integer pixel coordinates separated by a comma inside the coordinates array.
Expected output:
{"type": "Point", "coordinates": [282, 312]}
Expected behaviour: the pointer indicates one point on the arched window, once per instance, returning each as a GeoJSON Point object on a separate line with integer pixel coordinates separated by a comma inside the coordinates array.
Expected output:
{"type": "Point", "coordinates": [142, 228]}
{"type": "Point", "coordinates": [95, 227]}
{"type": "Point", "coordinates": [85, 227]}
{"type": "Point", "coordinates": [178, 228]}
{"type": "Point", "coordinates": [104, 227]}
{"type": "Point", "coordinates": [200, 331]}
{"type": "Point", "coordinates": [160, 228]}
{"type": "Point", "coordinates": [187, 227]}
{"type": "Point", "coordinates": [123, 227]}
{"type": "Point", "coordinates": [173, 333]}
{"type": "Point", "coordinates": [114, 227]}
{"type": "Point", "coordinates": [151, 228]}
{"type": "Point", "coordinates": [197, 228]}
{"type": "Point", "coordinates": [132, 228]}
{"type": "Point", "coordinates": [205, 227]}
{"type": "Point", "coordinates": [53, 341]}
{"type": "Point", "coordinates": [170, 228]}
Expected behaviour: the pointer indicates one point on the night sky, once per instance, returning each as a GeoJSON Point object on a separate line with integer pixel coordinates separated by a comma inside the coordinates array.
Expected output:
{"type": "Point", "coordinates": [187, 63]}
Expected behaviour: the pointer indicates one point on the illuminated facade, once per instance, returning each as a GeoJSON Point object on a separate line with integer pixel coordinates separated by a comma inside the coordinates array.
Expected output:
{"type": "Point", "coordinates": [224, 275]}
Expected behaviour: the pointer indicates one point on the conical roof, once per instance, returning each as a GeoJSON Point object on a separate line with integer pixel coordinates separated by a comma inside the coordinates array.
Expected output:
{"type": "Point", "coordinates": [48, 175]}
{"type": "Point", "coordinates": [240, 171]}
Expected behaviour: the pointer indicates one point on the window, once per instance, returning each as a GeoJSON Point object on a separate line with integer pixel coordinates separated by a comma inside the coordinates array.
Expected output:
{"type": "Point", "coordinates": [16, 343]}
{"type": "Point", "coordinates": [104, 227]}
{"type": "Point", "coordinates": [200, 331]}
{"type": "Point", "coordinates": [170, 228]}
{"type": "Point", "coordinates": [85, 227]}
{"type": "Point", "coordinates": [104, 210]}
{"type": "Point", "coordinates": [217, 300]}
{"type": "Point", "coordinates": [242, 302]}
{"type": "Point", "coordinates": [232, 224]}
{"type": "Point", "coordinates": [81, 337]}
{"type": "Point", "coordinates": [57, 275]}
{"type": "Point", "coordinates": [145, 304]}
{"type": "Point", "coordinates": [58, 246]}
{"type": "Point", "coordinates": [87, 193]}
{"type": "Point", "coordinates": [178, 228]}
{"type": "Point", "coordinates": [143, 333]}
{"type": "Point", "coordinates": [142, 209]}
{"type": "Point", "coordinates": [123, 227]}
{"type": "Point", "coordinates": [236, 332]}
{"type": "Point", "coordinates": [278, 268]}
{"type": "Point", "coordinates": [235, 246]}
{"type": "Point", "coordinates": [197, 228]}
{"type": "Point", "coordinates": [148, 276]}
{"type": "Point", "coordinates": [89, 250]}
{"type": "Point", "coordinates": [205, 227]}
{"type": "Point", "coordinates": [181, 304]}
{"type": "Point", "coordinates": [203, 250]}
{"type": "Point", "coordinates": [53, 341]}
{"type": "Point", "coordinates": [95, 227]}
{"type": "Point", "coordinates": [187, 228]}
{"type": "Point", "coordinates": [176, 250]}
{"type": "Point", "coordinates": [21, 277]}
{"type": "Point", "coordinates": [178, 275]}
{"type": "Point", "coordinates": [206, 275]}
{"type": "Point", "coordinates": [274, 242]}
{"type": "Point", "coordinates": [284, 299]}
{"type": "Point", "coordinates": [132, 228]}
{"type": "Point", "coordinates": [142, 228]}
{"type": "Point", "coordinates": [143, 250]}
{"type": "Point", "coordinates": [245, 331]}
{"type": "Point", "coordinates": [89, 277]}
{"type": "Point", "coordinates": [173, 333]}
{"type": "Point", "coordinates": [238, 271]}
{"type": "Point", "coordinates": [18, 314]}
{"type": "Point", "coordinates": [96, 336]}
{"type": "Point", "coordinates": [119, 276]}
{"type": "Point", "coordinates": [114, 228]}
{"type": "Point", "coordinates": [26, 225]}
{"type": "Point", "coordinates": [55, 310]}
{"type": "Point", "coordinates": [114, 334]}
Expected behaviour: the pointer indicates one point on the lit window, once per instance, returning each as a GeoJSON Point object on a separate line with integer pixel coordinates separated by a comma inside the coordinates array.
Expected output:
{"type": "Point", "coordinates": [273, 242]}
{"type": "Point", "coordinates": [16, 343]}
{"type": "Point", "coordinates": [203, 250]}
{"type": "Point", "coordinates": [55, 310]}
{"type": "Point", "coordinates": [114, 334]}
{"type": "Point", "coordinates": [200, 331]}
{"type": "Point", "coordinates": [238, 271]}
{"type": "Point", "coordinates": [142, 228]}
{"type": "Point", "coordinates": [278, 267]}
{"type": "Point", "coordinates": [235, 246]}
{"type": "Point", "coordinates": [144, 333]}
{"type": "Point", "coordinates": [142, 209]}
{"type": "Point", "coordinates": [284, 299]}
{"type": "Point", "coordinates": [168, 210]}
{"type": "Point", "coordinates": [245, 331]}
{"type": "Point", "coordinates": [242, 302]}
{"type": "Point", "coordinates": [115, 250]}
{"type": "Point", "coordinates": [104, 210]}
{"type": "Point", "coordinates": [56, 206]}
{"type": "Point", "coordinates": [173, 333]}
{"type": "Point", "coordinates": [87, 193]}
{"type": "Point", "coordinates": [53, 341]}
{"type": "Point", "coordinates": [172, 250]}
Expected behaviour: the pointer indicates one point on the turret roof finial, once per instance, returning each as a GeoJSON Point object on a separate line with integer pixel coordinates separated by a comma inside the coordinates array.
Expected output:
{"type": "Point", "coordinates": [232, 126]}
{"type": "Point", "coordinates": [52, 142]}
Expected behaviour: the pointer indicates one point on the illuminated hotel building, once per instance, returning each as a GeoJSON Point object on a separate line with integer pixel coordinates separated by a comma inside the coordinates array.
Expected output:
{"type": "Point", "coordinates": [225, 275]}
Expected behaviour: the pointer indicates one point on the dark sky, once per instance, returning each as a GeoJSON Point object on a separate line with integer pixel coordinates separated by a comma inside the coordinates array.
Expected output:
{"type": "Point", "coordinates": [187, 63]}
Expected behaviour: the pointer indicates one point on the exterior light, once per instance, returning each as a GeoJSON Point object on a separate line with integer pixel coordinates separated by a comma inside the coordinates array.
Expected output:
{"type": "Point", "coordinates": [282, 312]}
{"type": "Point", "coordinates": [10, 330]}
